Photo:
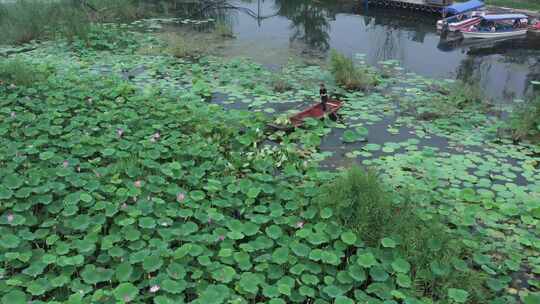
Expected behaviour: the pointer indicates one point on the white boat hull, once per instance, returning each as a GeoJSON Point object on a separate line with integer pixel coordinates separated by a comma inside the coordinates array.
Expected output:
{"type": "Point", "coordinates": [457, 26]}
{"type": "Point", "coordinates": [486, 35]}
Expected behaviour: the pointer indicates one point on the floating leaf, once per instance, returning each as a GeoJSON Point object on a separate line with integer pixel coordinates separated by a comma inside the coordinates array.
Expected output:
{"type": "Point", "coordinates": [458, 295]}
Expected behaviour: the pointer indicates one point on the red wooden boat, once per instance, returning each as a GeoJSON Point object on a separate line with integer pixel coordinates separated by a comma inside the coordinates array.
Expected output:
{"type": "Point", "coordinates": [535, 28]}
{"type": "Point", "coordinates": [316, 111]}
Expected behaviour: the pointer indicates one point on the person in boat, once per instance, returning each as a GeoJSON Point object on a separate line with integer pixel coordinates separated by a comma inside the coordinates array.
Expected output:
{"type": "Point", "coordinates": [324, 96]}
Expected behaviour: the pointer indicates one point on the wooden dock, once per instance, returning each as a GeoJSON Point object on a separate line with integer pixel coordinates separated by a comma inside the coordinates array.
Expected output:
{"type": "Point", "coordinates": [429, 6]}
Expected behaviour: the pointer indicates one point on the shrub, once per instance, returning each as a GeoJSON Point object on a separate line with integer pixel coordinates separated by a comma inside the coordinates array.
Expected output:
{"type": "Point", "coordinates": [24, 21]}
{"type": "Point", "coordinates": [348, 75]}
{"type": "Point", "coordinates": [21, 73]}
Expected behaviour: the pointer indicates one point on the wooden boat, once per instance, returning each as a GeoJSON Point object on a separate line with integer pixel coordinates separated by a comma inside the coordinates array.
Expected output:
{"type": "Point", "coordinates": [497, 26]}
{"type": "Point", "coordinates": [461, 15]}
{"type": "Point", "coordinates": [535, 28]}
{"type": "Point", "coordinates": [316, 111]}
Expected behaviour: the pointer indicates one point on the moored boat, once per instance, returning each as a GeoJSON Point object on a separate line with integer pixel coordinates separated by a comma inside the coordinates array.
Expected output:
{"type": "Point", "coordinates": [316, 111]}
{"type": "Point", "coordinates": [461, 15]}
{"type": "Point", "coordinates": [497, 26]}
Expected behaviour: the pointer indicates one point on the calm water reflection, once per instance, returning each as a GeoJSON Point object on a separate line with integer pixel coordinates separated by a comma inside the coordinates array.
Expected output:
{"type": "Point", "coordinates": [504, 69]}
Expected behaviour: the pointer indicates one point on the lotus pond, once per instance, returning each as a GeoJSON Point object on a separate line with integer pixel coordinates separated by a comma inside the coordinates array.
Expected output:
{"type": "Point", "coordinates": [132, 176]}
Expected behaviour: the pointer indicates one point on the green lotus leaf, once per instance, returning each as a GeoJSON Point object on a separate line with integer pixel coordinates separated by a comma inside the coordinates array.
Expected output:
{"type": "Point", "coordinates": [224, 274]}
{"type": "Point", "coordinates": [348, 238]}
{"type": "Point", "coordinates": [197, 195]}
{"type": "Point", "coordinates": [458, 295]}
{"type": "Point", "coordinates": [249, 282]}
{"type": "Point", "coordinates": [388, 243]}
{"type": "Point", "coordinates": [123, 272]}
{"type": "Point", "coordinates": [300, 249]}
{"type": "Point", "coordinates": [326, 213]}
{"type": "Point", "coordinates": [9, 241]}
{"type": "Point", "coordinates": [332, 291]}
{"type": "Point", "coordinates": [173, 286]}
{"type": "Point", "coordinates": [343, 300]}
{"type": "Point", "coordinates": [125, 292]}
{"type": "Point", "coordinates": [214, 294]}
{"type": "Point", "coordinates": [401, 265]}
{"type": "Point", "coordinates": [12, 181]}
{"type": "Point", "coordinates": [14, 297]}
{"type": "Point", "coordinates": [280, 255]}
{"type": "Point", "coordinates": [152, 263]}
{"type": "Point", "coordinates": [403, 280]}
{"type": "Point", "coordinates": [46, 155]}
{"type": "Point", "coordinates": [176, 271]}
{"type": "Point", "coordinates": [378, 273]}
{"type": "Point", "coordinates": [532, 298]}
{"type": "Point", "coordinates": [366, 260]}
{"type": "Point", "coordinates": [274, 231]}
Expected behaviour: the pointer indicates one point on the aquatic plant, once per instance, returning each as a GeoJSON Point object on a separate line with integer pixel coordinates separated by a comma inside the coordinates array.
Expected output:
{"type": "Point", "coordinates": [380, 218]}
{"type": "Point", "coordinates": [350, 76]}
{"type": "Point", "coordinates": [16, 71]}
{"type": "Point", "coordinates": [184, 46]}
{"type": "Point", "coordinates": [223, 29]}
{"type": "Point", "coordinates": [525, 120]}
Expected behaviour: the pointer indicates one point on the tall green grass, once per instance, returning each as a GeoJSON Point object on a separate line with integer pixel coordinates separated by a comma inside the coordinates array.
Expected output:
{"type": "Point", "coordinates": [361, 202]}
{"type": "Point", "coordinates": [27, 20]}
{"type": "Point", "coordinates": [525, 121]}
{"type": "Point", "coordinates": [21, 73]}
{"type": "Point", "coordinates": [348, 75]}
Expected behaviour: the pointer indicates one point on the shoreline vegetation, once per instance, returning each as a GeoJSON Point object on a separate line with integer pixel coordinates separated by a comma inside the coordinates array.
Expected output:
{"type": "Point", "coordinates": [530, 5]}
{"type": "Point", "coordinates": [125, 180]}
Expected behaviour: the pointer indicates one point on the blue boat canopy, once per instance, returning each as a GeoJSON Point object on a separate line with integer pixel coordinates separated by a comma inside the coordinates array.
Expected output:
{"type": "Point", "coordinates": [504, 17]}
{"type": "Point", "coordinates": [460, 8]}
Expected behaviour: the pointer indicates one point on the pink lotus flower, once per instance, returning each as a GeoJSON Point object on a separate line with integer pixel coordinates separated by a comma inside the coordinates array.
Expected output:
{"type": "Point", "coordinates": [137, 184]}
{"type": "Point", "coordinates": [300, 224]}
{"type": "Point", "coordinates": [13, 115]}
{"type": "Point", "coordinates": [119, 132]}
{"type": "Point", "coordinates": [10, 218]}
{"type": "Point", "coordinates": [221, 238]}
{"type": "Point", "coordinates": [127, 298]}
{"type": "Point", "coordinates": [154, 288]}
{"type": "Point", "coordinates": [65, 164]}
{"type": "Point", "coordinates": [123, 206]}
{"type": "Point", "coordinates": [180, 197]}
{"type": "Point", "coordinates": [209, 221]}
{"type": "Point", "coordinates": [78, 168]}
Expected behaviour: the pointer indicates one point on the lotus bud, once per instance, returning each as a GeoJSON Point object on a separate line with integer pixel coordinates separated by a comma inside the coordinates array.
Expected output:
{"type": "Point", "coordinates": [180, 197]}
{"type": "Point", "coordinates": [137, 184]}
{"type": "Point", "coordinates": [65, 164]}
{"type": "Point", "coordinates": [120, 132]}
{"type": "Point", "coordinates": [221, 238]}
{"type": "Point", "coordinates": [13, 115]}
{"type": "Point", "coordinates": [300, 224]}
{"type": "Point", "coordinates": [154, 288]}
{"type": "Point", "coordinates": [10, 218]}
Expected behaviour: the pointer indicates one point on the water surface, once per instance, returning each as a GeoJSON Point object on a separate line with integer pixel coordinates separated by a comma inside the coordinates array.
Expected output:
{"type": "Point", "coordinates": [504, 69]}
